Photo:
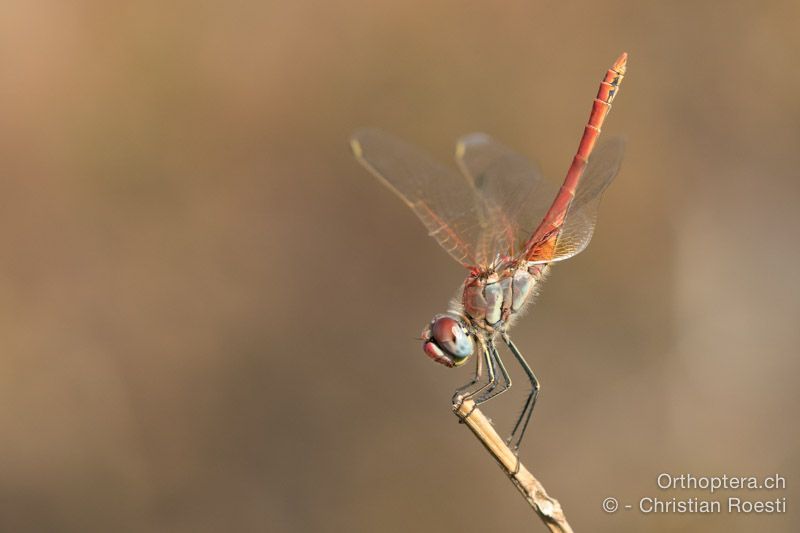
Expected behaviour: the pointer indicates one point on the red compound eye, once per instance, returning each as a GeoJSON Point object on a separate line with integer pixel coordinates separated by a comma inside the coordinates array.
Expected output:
{"type": "Point", "coordinates": [448, 342]}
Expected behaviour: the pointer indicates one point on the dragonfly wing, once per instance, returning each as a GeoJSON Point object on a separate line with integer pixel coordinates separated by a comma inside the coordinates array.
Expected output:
{"type": "Point", "coordinates": [578, 227]}
{"type": "Point", "coordinates": [514, 194]}
{"type": "Point", "coordinates": [445, 203]}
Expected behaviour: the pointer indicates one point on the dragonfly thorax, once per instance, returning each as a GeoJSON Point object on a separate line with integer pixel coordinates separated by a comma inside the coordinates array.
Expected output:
{"type": "Point", "coordinates": [491, 299]}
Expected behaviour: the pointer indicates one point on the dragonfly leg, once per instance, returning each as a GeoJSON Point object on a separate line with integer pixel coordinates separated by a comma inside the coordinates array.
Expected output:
{"type": "Point", "coordinates": [467, 392]}
{"type": "Point", "coordinates": [504, 385]}
{"type": "Point", "coordinates": [525, 416]}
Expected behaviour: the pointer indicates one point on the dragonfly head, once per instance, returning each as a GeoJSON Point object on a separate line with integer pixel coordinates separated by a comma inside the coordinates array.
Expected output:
{"type": "Point", "coordinates": [447, 340]}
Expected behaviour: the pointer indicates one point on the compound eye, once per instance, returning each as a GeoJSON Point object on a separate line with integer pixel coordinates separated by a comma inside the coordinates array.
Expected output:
{"type": "Point", "coordinates": [450, 336]}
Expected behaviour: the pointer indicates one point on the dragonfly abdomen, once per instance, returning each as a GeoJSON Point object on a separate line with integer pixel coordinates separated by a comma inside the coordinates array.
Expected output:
{"type": "Point", "coordinates": [490, 301]}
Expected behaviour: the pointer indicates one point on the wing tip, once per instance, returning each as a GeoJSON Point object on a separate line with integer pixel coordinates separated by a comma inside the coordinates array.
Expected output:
{"type": "Point", "coordinates": [476, 137]}
{"type": "Point", "coordinates": [359, 136]}
{"type": "Point", "coordinates": [470, 139]}
{"type": "Point", "coordinates": [355, 146]}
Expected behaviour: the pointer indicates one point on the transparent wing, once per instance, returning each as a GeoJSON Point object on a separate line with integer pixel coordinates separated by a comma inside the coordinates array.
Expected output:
{"type": "Point", "coordinates": [444, 201]}
{"type": "Point", "coordinates": [578, 226]}
{"type": "Point", "coordinates": [515, 196]}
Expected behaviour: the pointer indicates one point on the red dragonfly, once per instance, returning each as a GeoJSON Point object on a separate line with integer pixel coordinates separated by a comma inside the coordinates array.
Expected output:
{"type": "Point", "coordinates": [506, 224]}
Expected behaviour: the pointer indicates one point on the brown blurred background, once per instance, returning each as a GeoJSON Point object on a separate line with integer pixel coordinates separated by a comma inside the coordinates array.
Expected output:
{"type": "Point", "coordinates": [208, 309]}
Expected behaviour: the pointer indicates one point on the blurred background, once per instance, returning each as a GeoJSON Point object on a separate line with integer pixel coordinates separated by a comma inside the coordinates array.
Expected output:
{"type": "Point", "coordinates": [208, 309]}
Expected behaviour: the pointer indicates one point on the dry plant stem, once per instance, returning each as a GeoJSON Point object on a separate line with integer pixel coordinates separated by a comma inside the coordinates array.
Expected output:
{"type": "Point", "coordinates": [548, 509]}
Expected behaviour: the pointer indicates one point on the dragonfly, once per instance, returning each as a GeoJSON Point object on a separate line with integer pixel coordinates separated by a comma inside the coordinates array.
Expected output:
{"type": "Point", "coordinates": [507, 225]}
